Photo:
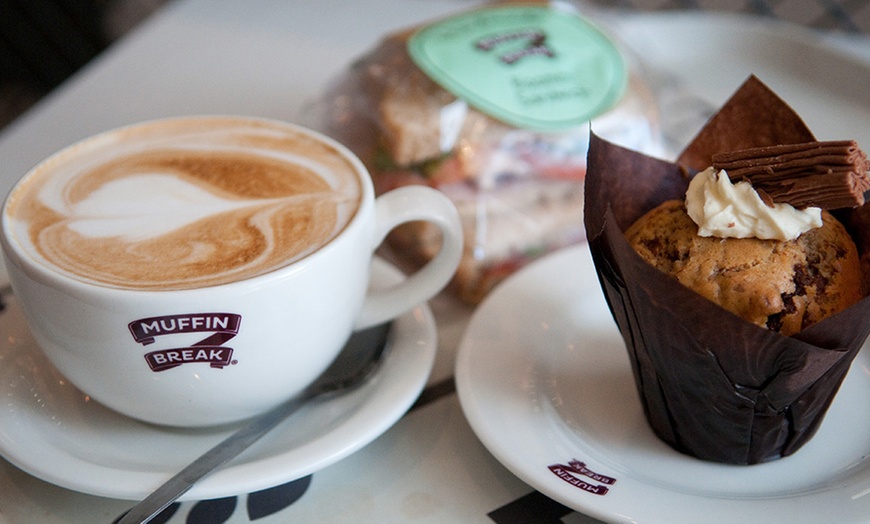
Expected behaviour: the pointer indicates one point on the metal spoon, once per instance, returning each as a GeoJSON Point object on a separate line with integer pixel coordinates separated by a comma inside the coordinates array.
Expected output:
{"type": "Point", "coordinates": [356, 361]}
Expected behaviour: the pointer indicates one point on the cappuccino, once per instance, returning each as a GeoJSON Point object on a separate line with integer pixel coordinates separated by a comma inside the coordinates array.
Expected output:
{"type": "Point", "coordinates": [262, 235]}
{"type": "Point", "coordinates": [184, 203]}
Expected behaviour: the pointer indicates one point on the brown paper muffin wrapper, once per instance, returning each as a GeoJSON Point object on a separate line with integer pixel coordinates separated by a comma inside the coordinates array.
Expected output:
{"type": "Point", "coordinates": [713, 385]}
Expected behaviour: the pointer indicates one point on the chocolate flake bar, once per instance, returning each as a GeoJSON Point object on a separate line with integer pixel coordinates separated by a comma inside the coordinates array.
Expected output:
{"type": "Point", "coordinates": [829, 175]}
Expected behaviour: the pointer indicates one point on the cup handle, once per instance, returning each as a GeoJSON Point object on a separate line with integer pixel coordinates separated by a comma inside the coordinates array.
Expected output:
{"type": "Point", "coordinates": [408, 204]}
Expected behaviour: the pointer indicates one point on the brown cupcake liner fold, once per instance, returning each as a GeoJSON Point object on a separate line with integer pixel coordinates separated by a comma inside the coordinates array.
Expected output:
{"type": "Point", "coordinates": [713, 385]}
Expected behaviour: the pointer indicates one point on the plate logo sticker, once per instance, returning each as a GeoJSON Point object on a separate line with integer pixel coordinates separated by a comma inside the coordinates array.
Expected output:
{"type": "Point", "coordinates": [210, 350]}
{"type": "Point", "coordinates": [533, 67]}
{"type": "Point", "coordinates": [578, 475]}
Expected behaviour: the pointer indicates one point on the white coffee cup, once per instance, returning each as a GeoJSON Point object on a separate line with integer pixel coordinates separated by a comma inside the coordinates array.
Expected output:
{"type": "Point", "coordinates": [171, 295]}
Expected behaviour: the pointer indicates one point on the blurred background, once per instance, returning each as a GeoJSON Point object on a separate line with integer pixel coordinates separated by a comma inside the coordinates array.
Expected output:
{"type": "Point", "coordinates": [43, 42]}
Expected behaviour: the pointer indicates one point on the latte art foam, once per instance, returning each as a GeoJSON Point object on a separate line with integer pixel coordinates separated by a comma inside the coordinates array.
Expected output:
{"type": "Point", "coordinates": [184, 203]}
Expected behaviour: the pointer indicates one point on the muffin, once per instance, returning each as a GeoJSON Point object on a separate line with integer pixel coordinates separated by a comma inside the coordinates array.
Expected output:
{"type": "Point", "coordinates": [713, 384]}
{"type": "Point", "coordinates": [784, 286]}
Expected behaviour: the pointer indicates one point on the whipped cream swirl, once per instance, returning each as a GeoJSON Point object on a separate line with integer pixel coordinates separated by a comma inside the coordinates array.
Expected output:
{"type": "Point", "coordinates": [727, 210]}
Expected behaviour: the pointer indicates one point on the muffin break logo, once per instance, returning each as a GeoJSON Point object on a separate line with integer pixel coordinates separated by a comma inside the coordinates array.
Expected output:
{"type": "Point", "coordinates": [533, 43]}
{"type": "Point", "coordinates": [210, 350]}
{"type": "Point", "coordinates": [580, 476]}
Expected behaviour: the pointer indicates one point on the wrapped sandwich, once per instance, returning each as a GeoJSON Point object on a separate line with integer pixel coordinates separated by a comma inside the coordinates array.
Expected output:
{"type": "Point", "coordinates": [492, 107]}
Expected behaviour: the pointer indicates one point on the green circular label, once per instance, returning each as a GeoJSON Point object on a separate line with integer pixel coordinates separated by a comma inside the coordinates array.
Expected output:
{"type": "Point", "coordinates": [533, 67]}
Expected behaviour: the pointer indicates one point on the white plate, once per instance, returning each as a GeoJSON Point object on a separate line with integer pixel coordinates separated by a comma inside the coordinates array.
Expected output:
{"type": "Point", "coordinates": [51, 430]}
{"type": "Point", "coordinates": [544, 379]}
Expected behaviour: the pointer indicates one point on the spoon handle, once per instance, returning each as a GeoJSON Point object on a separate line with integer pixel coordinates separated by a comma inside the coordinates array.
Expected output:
{"type": "Point", "coordinates": [358, 358]}
{"type": "Point", "coordinates": [220, 454]}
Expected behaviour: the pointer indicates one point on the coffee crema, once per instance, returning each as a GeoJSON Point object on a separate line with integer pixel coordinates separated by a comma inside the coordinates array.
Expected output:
{"type": "Point", "coordinates": [184, 203]}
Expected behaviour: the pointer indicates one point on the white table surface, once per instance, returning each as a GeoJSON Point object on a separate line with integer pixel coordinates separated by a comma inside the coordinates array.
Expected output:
{"type": "Point", "coordinates": [272, 59]}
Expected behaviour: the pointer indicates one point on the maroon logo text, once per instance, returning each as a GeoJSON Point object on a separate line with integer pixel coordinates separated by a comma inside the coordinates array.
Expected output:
{"type": "Point", "coordinates": [535, 45]}
{"type": "Point", "coordinates": [577, 474]}
{"type": "Point", "coordinates": [210, 350]}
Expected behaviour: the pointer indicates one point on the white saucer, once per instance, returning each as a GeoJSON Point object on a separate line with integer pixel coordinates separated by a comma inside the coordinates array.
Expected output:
{"type": "Point", "coordinates": [52, 431]}
{"type": "Point", "coordinates": [544, 379]}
